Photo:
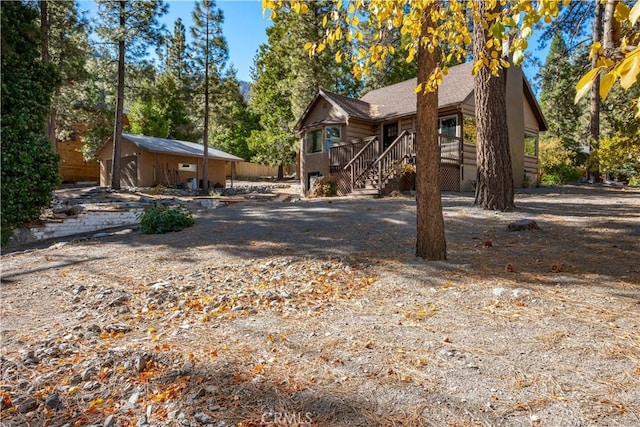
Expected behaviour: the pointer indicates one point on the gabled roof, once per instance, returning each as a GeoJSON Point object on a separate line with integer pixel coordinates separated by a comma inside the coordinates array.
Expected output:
{"type": "Point", "coordinates": [349, 107]}
{"type": "Point", "coordinates": [172, 146]}
{"type": "Point", "coordinates": [400, 99]}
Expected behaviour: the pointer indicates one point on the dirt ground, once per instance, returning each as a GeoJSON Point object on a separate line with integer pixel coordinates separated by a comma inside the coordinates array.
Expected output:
{"type": "Point", "coordinates": [316, 312]}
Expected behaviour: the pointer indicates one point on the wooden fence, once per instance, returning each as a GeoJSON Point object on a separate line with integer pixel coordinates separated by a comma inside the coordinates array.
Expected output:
{"type": "Point", "coordinates": [254, 170]}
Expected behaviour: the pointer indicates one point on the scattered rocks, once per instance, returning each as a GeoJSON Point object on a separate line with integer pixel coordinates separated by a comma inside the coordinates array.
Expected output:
{"type": "Point", "coordinates": [121, 300]}
{"type": "Point", "coordinates": [75, 379]}
{"type": "Point", "coordinates": [117, 327]}
{"type": "Point", "coordinates": [91, 385]}
{"type": "Point", "coordinates": [53, 402]}
{"type": "Point", "coordinates": [515, 293]}
{"type": "Point", "coordinates": [203, 418]}
{"type": "Point", "coordinates": [88, 374]}
{"type": "Point", "coordinates": [140, 363]}
{"type": "Point", "coordinates": [30, 359]}
{"type": "Point", "coordinates": [249, 189]}
{"type": "Point", "coordinates": [25, 404]}
{"type": "Point", "coordinates": [79, 289]}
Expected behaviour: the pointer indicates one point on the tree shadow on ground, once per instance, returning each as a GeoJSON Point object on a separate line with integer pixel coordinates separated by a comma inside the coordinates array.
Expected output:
{"type": "Point", "coordinates": [12, 276]}
{"type": "Point", "coordinates": [600, 234]}
{"type": "Point", "coordinates": [570, 233]}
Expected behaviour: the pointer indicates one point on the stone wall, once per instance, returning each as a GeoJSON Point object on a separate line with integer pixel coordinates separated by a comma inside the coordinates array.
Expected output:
{"type": "Point", "coordinates": [85, 222]}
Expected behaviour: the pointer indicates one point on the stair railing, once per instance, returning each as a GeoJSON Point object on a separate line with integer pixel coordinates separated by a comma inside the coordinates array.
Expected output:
{"type": "Point", "coordinates": [363, 158]}
{"type": "Point", "coordinates": [401, 150]}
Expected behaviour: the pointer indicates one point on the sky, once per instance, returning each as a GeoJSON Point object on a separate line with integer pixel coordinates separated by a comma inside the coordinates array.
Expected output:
{"type": "Point", "coordinates": [244, 29]}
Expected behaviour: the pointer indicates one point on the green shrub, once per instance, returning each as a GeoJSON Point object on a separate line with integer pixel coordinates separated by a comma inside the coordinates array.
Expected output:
{"type": "Point", "coordinates": [163, 219]}
{"type": "Point", "coordinates": [634, 181]}
{"type": "Point", "coordinates": [561, 174]}
{"type": "Point", "coordinates": [29, 169]}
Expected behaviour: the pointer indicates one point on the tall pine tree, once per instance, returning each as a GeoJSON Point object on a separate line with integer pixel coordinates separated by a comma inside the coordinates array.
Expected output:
{"type": "Point", "coordinates": [65, 44]}
{"type": "Point", "coordinates": [132, 26]}
{"type": "Point", "coordinates": [274, 143]}
{"type": "Point", "coordinates": [210, 56]}
{"type": "Point", "coordinates": [557, 90]}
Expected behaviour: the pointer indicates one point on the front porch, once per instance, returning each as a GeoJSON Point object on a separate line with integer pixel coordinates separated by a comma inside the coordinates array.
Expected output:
{"type": "Point", "coordinates": [365, 167]}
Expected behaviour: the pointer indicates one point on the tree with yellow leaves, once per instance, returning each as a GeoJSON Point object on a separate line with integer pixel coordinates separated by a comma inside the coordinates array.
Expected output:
{"type": "Point", "coordinates": [617, 58]}
{"type": "Point", "coordinates": [436, 33]}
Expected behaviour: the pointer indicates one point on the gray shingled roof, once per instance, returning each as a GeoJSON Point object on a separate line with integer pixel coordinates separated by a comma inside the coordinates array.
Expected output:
{"type": "Point", "coordinates": [400, 99]}
{"type": "Point", "coordinates": [172, 146]}
{"type": "Point", "coordinates": [353, 107]}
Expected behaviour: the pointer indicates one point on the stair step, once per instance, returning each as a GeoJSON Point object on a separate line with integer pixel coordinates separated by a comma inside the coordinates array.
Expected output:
{"type": "Point", "coordinates": [365, 192]}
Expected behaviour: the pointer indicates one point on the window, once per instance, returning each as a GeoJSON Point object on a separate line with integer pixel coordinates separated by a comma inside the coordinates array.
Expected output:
{"type": "Point", "coordinates": [333, 134]}
{"type": "Point", "coordinates": [314, 141]}
{"type": "Point", "coordinates": [530, 144]}
{"type": "Point", "coordinates": [448, 126]}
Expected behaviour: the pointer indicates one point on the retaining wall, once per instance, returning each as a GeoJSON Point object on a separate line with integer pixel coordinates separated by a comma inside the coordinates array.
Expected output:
{"type": "Point", "coordinates": [85, 222]}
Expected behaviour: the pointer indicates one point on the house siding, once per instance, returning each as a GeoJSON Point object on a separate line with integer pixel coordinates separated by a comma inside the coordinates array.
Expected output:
{"type": "Point", "coordinates": [159, 168]}
{"type": "Point", "coordinates": [312, 164]}
{"type": "Point", "coordinates": [358, 129]}
{"type": "Point", "coordinates": [531, 169]}
{"type": "Point", "coordinates": [407, 123]}
{"type": "Point", "coordinates": [530, 121]}
{"type": "Point", "coordinates": [515, 123]}
{"type": "Point", "coordinates": [326, 112]}
{"type": "Point", "coordinates": [469, 167]}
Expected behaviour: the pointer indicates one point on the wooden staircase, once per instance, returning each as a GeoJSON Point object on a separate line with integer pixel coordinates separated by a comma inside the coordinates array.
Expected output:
{"type": "Point", "coordinates": [361, 169]}
{"type": "Point", "coordinates": [370, 172]}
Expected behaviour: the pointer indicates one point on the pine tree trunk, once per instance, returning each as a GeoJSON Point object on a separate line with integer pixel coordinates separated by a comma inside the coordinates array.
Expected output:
{"type": "Point", "coordinates": [117, 134]}
{"type": "Point", "coordinates": [594, 110]}
{"type": "Point", "coordinates": [280, 173]}
{"type": "Point", "coordinates": [430, 242]}
{"type": "Point", "coordinates": [205, 136]}
{"type": "Point", "coordinates": [494, 187]}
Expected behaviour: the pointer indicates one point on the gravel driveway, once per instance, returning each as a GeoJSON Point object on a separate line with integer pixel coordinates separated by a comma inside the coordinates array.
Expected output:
{"type": "Point", "coordinates": [319, 309]}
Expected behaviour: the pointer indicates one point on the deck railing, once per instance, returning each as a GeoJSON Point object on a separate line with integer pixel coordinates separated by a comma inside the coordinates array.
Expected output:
{"type": "Point", "coordinates": [341, 155]}
{"type": "Point", "coordinates": [450, 149]}
{"type": "Point", "coordinates": [367, 166]}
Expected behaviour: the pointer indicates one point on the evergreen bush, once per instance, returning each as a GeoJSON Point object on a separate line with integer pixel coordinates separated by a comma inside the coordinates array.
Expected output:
{"type": "Point", "coordinates": [29, 165]}
{"type": "Point", "coordinates": [164, 219]}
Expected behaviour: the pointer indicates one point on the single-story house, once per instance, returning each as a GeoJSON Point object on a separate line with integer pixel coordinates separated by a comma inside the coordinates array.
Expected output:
{"type": "Point", "coordinates": [148, 161]}
{"type": "Point", "coordinates": [362, 142]}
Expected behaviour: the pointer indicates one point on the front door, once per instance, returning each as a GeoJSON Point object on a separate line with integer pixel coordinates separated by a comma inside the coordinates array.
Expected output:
{"type": "Point", "coordinates": [389, 134]}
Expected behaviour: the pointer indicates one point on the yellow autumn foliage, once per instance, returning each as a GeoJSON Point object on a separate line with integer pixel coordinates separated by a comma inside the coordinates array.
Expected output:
{"type": "Point", "coordinates": [449, 32]}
